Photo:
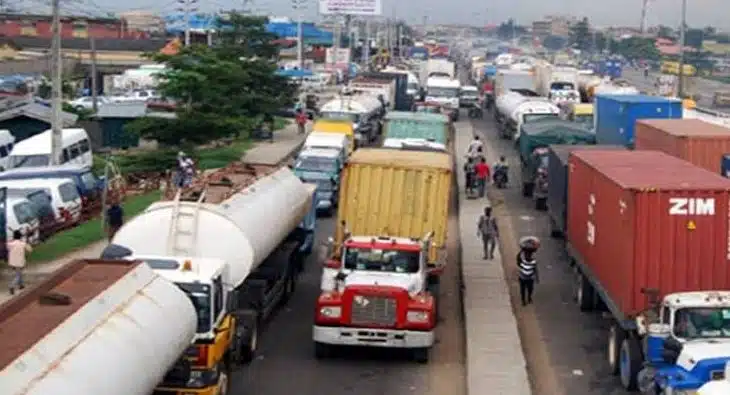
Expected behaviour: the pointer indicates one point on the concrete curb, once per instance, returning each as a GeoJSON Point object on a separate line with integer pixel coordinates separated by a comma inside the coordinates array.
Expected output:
{"type": "Point", "coordinates": [495, 363]}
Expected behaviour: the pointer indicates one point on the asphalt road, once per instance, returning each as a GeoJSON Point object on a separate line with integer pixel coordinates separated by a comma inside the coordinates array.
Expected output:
{"type": "Point", "coordinates": [557, 338]}
{"type": "Point", "coordinates": [286, 363]}
{"type": "Point", "coordinates": [704, 87]}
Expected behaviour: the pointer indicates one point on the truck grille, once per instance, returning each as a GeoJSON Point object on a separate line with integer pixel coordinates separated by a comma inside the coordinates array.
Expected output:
{"type": "Point", "coordinates": [377, 310]}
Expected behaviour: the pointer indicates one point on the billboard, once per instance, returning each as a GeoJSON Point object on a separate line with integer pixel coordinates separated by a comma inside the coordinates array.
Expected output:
{"type": "Point", "coordinates": [338, 59]}
{"type": "Point", "coordinates": [351, 7]}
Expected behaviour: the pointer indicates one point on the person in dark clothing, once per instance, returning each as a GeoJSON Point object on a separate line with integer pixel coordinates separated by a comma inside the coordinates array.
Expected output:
{"type": "Point", "coordinates": [488, 231]}
{"type": "Point", "coordinates": [114, 218]}
{"type": "Point", "coordinates": [527, 268]}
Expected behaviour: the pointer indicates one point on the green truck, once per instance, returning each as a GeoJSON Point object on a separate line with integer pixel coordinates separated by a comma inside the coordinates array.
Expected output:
{"type": "Point", "coordinates": [416, 131]}
{"type": "Point", "coordinates": [534, 141]}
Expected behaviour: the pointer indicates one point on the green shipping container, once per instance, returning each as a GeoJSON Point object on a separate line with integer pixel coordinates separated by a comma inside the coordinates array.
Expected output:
{"type": "Point", "coordinates": [401, 125]}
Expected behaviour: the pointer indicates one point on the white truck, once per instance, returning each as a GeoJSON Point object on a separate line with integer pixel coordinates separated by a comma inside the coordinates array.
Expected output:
{"type": "Point", "coordinates": [513, 109]}
{"type": "Point", "coordinates": [364, 110]}
{"type": "Point", "coordinates": [413, 88]}
{"type": "Point", "coordinates": [445, 92]}
{"type": "Point", "coordinates": [440, 68]}
{"type": "Point", "coordinates": [375, 88]}
{"type": "Point", "coordinates": [560, 84]}
{"type": "Point", "coordinates": [94, 327]}
{"type": "Point", "coordinates": [235, 243]}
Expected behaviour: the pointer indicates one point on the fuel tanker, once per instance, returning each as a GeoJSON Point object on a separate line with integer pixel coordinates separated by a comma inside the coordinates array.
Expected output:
{"type": "Point", "coordinates": [514, 109]}
{"type": "Point", "coordinates": [94, 327]}
{"type": "Point", "coordinates": [238, 237]}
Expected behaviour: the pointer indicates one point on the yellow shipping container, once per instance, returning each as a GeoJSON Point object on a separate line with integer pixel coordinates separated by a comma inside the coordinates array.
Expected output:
{"type": "Point", "coordinates": [396, 193]}
{"type": "Point", "coordinates": [340, 126]}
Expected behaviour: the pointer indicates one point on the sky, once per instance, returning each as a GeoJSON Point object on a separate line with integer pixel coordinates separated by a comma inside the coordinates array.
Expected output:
{"type": "Point", "coordinates": [476, 12]}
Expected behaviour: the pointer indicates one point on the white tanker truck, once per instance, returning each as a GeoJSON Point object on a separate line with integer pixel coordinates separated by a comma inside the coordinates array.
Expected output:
{"type": "Point", "coordinates": [234, 243]}
{"type": "Point", "coordinates": [514, 109]}
{"type": "Point", "coordinates": [94, 327]}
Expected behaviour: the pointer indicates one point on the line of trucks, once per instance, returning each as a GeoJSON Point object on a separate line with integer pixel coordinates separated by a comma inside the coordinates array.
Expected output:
{"type": "Point", "coordinates": [179, 298]}
{"type": "Point", "coordinates": [641, 203]}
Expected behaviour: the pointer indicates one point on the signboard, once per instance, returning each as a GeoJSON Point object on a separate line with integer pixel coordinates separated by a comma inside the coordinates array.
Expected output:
{"type": "Point", "coordinates": [337, 58]}
{"type": "Point", "coordinates": [351, 7]}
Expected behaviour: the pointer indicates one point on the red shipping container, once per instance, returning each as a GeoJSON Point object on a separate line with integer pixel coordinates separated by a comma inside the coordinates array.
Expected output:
{"type": "Point", "coordinates": [645, 219]}
{"type": "Point", "coordinates": [698, 142]}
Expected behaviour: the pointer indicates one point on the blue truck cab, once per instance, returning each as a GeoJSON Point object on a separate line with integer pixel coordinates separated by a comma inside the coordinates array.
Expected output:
{"type": "Point", "coordinates": [688, 347]}
{"type": "Point", "coordinates": [615, 116]}
{"type": "Point", "coordinates": [321, 167]}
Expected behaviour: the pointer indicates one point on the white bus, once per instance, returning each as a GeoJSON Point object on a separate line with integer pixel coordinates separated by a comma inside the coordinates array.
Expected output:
{"type": "Point", "coordinates": [36, 151]}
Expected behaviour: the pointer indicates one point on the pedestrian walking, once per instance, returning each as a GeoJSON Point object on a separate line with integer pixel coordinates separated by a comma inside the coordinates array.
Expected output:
{"type": "Point", "coordinates": [17, 249]}
{"type": "Point", "coordinates": [488, 231]}
{"type": "Point", "coordinates": [482, 171]}
{"type": "Point", "coordinates": [527, 268]}
{"type": "Point", "coordinates": [301, 121]}
{"type": "Point", "coordinates": [185, 170]}
{"type": "Point", "coordinates": [114, 218]}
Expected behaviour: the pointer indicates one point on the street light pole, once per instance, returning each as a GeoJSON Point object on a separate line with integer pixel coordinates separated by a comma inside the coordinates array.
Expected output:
{"type": "Point", "coordinates": [56, 86]}
{"type": "Point", "coordinates": [682, 28]}
{"type": "Point", "coordinates": [298, 5]}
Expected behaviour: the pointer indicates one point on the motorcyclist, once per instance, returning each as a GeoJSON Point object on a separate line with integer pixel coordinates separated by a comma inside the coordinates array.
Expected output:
{"type": "Point", "coordinates": [501, 167]}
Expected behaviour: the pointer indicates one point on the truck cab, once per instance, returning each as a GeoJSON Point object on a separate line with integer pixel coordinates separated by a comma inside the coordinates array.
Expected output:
{"type": "Point", "coordinates": [444, 91]}
{"type": "Point", "coordinates": [377, 291]}
{"type": "Point", "coordinates": [321, 167]}
{"type": "Point", "coordinates": [689, 346]}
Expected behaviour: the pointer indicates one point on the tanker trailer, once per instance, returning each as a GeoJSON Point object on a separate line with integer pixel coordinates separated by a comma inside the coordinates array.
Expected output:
{"type": "Point", "coordinates": [238, 237]}
{"type": "Point", "coordinates": [94, 327]}
{"type": "Point", "coordinates": [521, 110]}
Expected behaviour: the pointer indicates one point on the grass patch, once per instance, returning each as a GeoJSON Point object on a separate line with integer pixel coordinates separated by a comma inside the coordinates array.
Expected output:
{"type": "Point", "coordinates": [214, 158]}
{"type": "Point", "coordinates": [87, 233]}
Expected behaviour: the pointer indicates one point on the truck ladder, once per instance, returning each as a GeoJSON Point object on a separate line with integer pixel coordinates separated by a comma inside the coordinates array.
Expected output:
{"type": "Point", "coordinates": [182, 236]}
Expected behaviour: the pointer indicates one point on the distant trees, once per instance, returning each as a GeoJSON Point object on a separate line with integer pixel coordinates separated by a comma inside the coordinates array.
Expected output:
{"type": "Point", "coordinates": [509, 30]}
{"type": "Point", "coordinates": [580, 35]}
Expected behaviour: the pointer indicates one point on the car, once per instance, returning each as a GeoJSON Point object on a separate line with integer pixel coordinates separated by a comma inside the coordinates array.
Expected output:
{"type": "Point", "coordinates": [87, 102]}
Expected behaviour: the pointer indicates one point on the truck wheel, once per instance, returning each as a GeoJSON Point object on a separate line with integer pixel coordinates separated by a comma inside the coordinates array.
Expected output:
{"type": "Point", "coordinates": [616, 336]}
{"type": "Point", "coordinates": [630, 362]}
{"type": "Point", "coordinates": [289, 288]}
{"type": "Point", "coordinates": [526, 189]}
{"type": "Point", "coordinates": [249, 343]}
{"type": "Point", "coordinates": [584, 296]}
{"type": "Point", "coordinates": [322, 350]}
{"type": "Point", "coordinates": [420, 355]}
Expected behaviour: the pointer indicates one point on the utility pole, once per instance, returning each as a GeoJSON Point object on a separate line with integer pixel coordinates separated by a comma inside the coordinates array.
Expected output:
{"type": "Point", "coordinates": [366, 44]}
{"type": "Point", "coordinates": [299, 6]}
{"type": "Point", "coordinates": [188, 8]}
{"type": "Point", "coordinates": [57, 86]}
{"type": "Point", "coordinates": [682, 29]}
{"type": "Point", "coordinates": [644, 8]}
{"type": "Point", "coordinates": [94, 88]}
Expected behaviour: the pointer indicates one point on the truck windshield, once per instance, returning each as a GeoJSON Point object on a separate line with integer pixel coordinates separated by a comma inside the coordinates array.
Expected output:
{"type": "Point", "coordinates": [702, 323]}
{"type": "Point", "coordinates": [562, 86]}
{"type": "Point", "coordinates": [392, 261]}
{"type": "Point", "coordinates": [442, 92]}
{"type": "Point", "coordinates": [316, 164]}
{"type": "Point", "coordinates": [199, 294]}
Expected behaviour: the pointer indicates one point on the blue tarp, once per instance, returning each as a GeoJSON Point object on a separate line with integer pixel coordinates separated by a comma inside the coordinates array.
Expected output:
{"type": "Point", "coordinates": [289, 30]}
{"type": "Point", "coordinates": [294, 73]}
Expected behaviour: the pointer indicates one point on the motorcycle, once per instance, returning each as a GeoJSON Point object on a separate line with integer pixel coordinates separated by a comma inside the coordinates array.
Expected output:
{"type": "Point", "coordinates": [475, 112]}
{"type": "Point", "coordinates": [500, 177]}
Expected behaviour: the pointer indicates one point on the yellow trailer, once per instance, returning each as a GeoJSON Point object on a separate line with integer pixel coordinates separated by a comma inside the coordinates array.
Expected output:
{"type": "Point", "coordinates": [340, 126]}
{"type": "Point", "coordinates": [396, 193]}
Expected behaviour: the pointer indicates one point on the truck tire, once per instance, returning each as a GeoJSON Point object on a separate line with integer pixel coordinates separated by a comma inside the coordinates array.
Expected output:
{"type": "Point", "coordinates": [322, 350]}
{"type": "Point", "coordinates": [616, 336]}
{"type": "Point", "coordinates": [630, 363]}
{"type": "Point", "coordinates": [526, 189]}
{"type": "Point", "coordinates": [420, 355]}
{"type": "Point", "coordinates": [289, 288]}
{"type": "Point", "coordinates": [584, 295]}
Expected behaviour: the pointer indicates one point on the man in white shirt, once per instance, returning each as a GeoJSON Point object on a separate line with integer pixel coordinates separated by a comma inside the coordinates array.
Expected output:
{"type": "Point", "coordinates": [17, 248]}
{"type": "Point", "coordinates": [474, 147]}
{"type": "Point", "coordinates": [186, 169]}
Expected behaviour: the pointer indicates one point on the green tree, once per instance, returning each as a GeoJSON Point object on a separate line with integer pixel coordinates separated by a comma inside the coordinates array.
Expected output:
{"type": "Point", "coordinates": [554, 43]}
{"type": "Point", "coordinates": [580, 35]}
{"type": "Point", "coordinates": [222, 91]}
{"type": "Point", "coordinates": [600, 42]}
{"type": "Point", "coordinates": [636, 48]}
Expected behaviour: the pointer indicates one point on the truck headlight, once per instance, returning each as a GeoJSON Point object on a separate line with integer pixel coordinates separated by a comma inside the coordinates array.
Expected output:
{"type": "Point", "coordinates": [331, 311]}
{"type": "Point", "coordinates": [417, 316]}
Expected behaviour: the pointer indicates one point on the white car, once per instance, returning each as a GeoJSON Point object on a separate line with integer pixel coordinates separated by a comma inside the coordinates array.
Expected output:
{"type": "Point", "coordinates": [87, 102]}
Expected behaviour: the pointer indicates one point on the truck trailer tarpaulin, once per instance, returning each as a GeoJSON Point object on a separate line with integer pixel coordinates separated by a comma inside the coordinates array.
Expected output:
{"type": "Point", "coordinates": [646, 220]}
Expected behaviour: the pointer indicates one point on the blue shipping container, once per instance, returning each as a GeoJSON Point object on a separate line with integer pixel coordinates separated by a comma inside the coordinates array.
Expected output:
{"type": "Point", "coordinates": [616, 115]}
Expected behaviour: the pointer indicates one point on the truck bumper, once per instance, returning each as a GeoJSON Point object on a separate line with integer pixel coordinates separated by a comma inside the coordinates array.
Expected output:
{"type": "Point", "coordinates": [385, 338]}
{"type": "Point", "coordinates": [188, 391]}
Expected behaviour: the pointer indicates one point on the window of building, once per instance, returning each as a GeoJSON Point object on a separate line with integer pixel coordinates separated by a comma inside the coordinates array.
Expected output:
{"type": "Point", "coordinates": [80, 29]}
{"type": "Point", "coordinates": [28, 28]}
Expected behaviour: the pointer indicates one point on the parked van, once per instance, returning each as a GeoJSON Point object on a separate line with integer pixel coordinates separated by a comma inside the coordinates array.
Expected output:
{"type": "Point", "coordinates": [7, 142]}
{"type": "Point", "coordinates": [42, 208]}
{"type": "Point", "coordinates": [36, 151]}
{"type": "Point", "coordinates": [86, 182]}
{"type": "Point", "coordinates": [64, 196]}
{"type": "Point", "coordinates": [331, 141]}
{"type": "Point", "coordinates": [20, 215]}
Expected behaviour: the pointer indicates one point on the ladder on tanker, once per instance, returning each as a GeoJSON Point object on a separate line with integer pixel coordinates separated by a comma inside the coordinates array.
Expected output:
{"type": "Point", "coordinates": [183, 233]}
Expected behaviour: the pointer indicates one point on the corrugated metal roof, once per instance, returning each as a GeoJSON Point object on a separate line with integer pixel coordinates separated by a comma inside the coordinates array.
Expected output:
{"type": "Point", "coordinates": [651, 170]}
{"type": "Point", "coordinates": [400, 158]}
{"type": "Point", "coordinates": [36, 111]}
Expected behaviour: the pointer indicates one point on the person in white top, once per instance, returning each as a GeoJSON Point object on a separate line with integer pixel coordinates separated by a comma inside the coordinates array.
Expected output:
{"type": "Point", "coordinates": [474, 148]}
{"type": "Point", "coordinates": [17, 249]}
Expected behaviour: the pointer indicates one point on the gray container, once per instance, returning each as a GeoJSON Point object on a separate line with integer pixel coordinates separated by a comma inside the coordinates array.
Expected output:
{"type": "Point", "coordinates": [557, 200]}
